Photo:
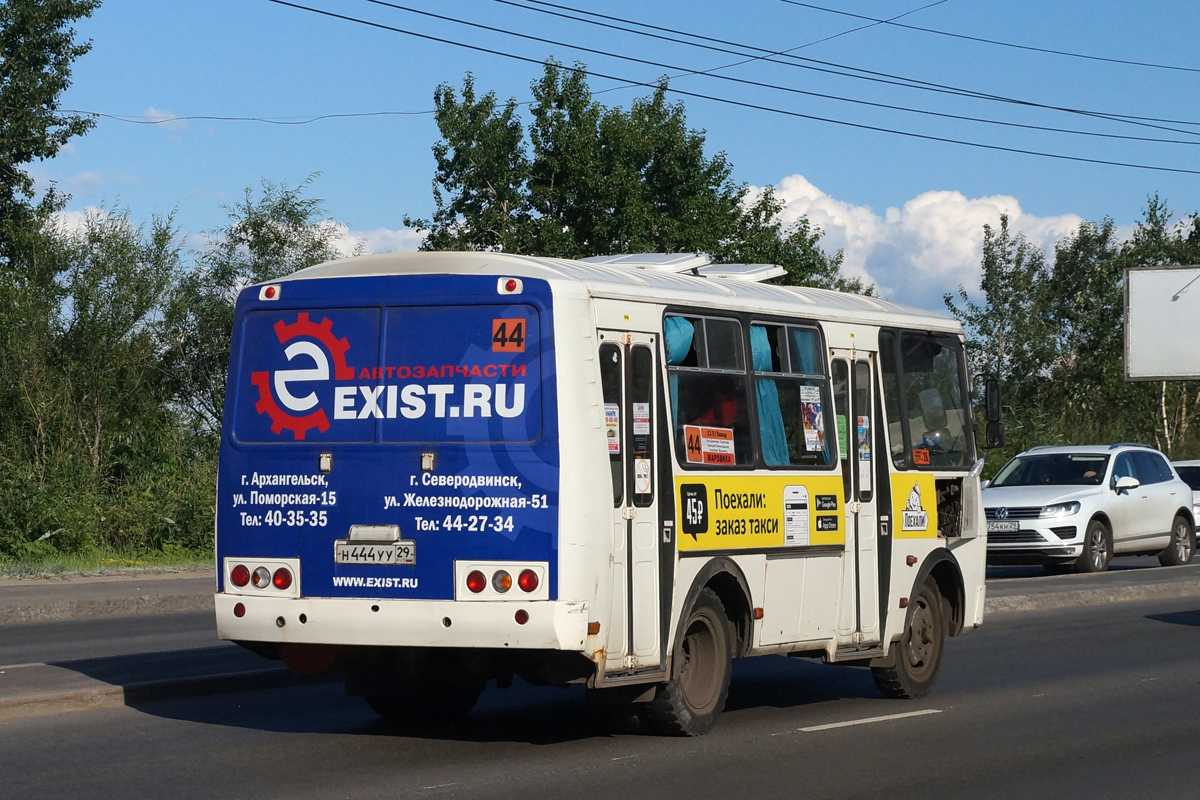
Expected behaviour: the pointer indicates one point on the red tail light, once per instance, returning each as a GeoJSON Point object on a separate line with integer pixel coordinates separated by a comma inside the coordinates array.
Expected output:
{"type": "Point", "coordinates": [282, 579]}
{"type": "Point", "coordinates": [476, 581]}
{"type": "Point", "coordinates": [239, 576]}
{"type": "Point", "coordinates": [528, 581]}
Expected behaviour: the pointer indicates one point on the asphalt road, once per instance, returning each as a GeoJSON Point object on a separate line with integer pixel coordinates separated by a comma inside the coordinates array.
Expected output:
{"type": "Point", "coordinates": [1095, 702]}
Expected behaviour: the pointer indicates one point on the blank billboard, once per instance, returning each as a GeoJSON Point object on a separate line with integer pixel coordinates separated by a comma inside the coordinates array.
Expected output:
{"type": "Point", "coordinates": [1162, 323]}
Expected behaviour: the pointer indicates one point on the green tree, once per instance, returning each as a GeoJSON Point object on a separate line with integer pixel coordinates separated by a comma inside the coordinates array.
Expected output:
{"type": "Point", "coordinates": [1006, 338]}
{"type": "Point", "coordinates": [1166, 411]}
{"type": "Point", "coordinates": [277, 233]}
{"type": "Point", "coordinates": [479, 178]}
{"type": "Point", "coordinates": [759, 236]}
{"type": "Point", "coordinates": [584, 179]}
{"type": "Point", "coordinates": [37, 48]}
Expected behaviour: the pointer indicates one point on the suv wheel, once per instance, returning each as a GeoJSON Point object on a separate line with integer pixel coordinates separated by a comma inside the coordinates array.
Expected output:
{"type": "Point", "coordinates": [1097, 548]}
{"type": "Point", "coordinates": [1182, 545]}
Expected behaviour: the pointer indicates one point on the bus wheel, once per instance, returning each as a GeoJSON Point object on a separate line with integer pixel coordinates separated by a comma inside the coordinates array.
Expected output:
{"type": "Point", "coordinates": [919, 651]}
{"type": "Point", "coordinates": [432, 706]}
{"type": "Point", "coordinates": [689, 703]}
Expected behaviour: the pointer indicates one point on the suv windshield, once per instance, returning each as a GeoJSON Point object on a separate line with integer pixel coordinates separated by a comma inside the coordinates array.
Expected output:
{"type": "Point", "coordinates": [1058, 469]}
{"type": "Point", "coordinates": [1190, 476]}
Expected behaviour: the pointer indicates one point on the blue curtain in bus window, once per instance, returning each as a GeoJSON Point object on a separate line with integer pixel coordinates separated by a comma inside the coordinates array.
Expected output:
{"type": "Point", "coordinates": [805, 340]}
{"type": "Point", "coordinates": [677, 333]}
{"type": "Point", "coordinates": [770, 418]}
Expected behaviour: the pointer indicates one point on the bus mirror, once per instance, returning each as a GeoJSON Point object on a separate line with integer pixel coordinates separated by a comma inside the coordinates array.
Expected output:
{"type": "Point", "coordinates": [991, 399]}
{"type": "Point", "coordinates": [994, 435]}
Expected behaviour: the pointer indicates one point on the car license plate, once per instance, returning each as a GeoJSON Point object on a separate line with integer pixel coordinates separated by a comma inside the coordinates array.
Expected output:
{"type": "Point", "coordinates": [381, 553]}
{"type": "Point", "coordinates": [1003, 525]}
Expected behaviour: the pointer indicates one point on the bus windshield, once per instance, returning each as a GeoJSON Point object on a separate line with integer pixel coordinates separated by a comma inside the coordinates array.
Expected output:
{"type": "Point", "coordinates": [1057, 469]}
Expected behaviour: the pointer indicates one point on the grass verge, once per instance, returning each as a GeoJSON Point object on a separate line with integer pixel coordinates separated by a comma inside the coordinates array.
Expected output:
{"type": "Point", "coordinates": [104, 562]}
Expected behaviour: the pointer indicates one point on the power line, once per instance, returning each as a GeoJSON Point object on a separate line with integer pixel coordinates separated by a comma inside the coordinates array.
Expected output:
{"type": "Point", "coordinates": [298, 120]}
{"type": "Point", "coordinates": [994, 41]}
{"type": "Point", "coordinates": [753, 58]}
{"type": "Point", "coordinates": [872, 24]}
{"type": "Point", "coordinates": [832, 68]}
{"type": "Point", "coordinates": [310, 118]}
{"type": "Point", "coordinates": [772, 86]}
{"type": "Point", "coordinates": [737, 103]}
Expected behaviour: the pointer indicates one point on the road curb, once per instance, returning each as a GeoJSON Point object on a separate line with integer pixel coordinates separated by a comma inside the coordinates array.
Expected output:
{"type": "Point", "coordinates": [1089, 597]}
{"type": "Point", "coordinates": [109, 696]}
{"type": "Point", "coordinates": [96, 608]}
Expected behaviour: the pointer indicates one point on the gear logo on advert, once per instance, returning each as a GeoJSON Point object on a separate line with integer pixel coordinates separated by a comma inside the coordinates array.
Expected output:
{"type": "Point", "coordinates": [309, 342]}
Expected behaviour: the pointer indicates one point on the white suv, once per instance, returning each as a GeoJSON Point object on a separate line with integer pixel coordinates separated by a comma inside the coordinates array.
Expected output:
{"type": "Point", "coordinates": [1064, 506]}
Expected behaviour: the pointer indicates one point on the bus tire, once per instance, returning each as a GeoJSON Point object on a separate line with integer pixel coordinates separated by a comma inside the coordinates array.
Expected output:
{"type": "Point", "coordinates": [919, 652]}
{"type": "Point", "coordinates": [688, 704]}
{"type": "Point", "coordinates": [432, 706]}
{"type": "Point", "coordinates": [1182, 546]}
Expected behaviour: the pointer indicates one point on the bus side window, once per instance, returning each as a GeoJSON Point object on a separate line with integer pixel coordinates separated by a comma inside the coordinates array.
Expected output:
{"type": "Point", "coordinates": [891, 399]}
{"type": "Point", "coordinates": [708, 386]}
{"type": "Point", "coordinates": [792, 395]}
{"type": "Point", "coordinates": [841, 407]}
{"type": "Point", "coordinates": [641, 400]}
{"type": "Point", "coordinates": [610, 384]}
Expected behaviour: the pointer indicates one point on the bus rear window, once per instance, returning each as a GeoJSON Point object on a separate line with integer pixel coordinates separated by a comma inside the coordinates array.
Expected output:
{"type": "Point", "coordinates": [396, 374]}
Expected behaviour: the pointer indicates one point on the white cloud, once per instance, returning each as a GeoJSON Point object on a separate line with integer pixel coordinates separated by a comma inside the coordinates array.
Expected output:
{"type": "Point", "coordinates": [380, 240]}
{"type": "Point", "coordinates": [383, 240]}
{"type": "Point", "coordinates": [73, 220]}
{"type": "Point", "coordinates": [920, 251]}
{"type": "Point", "coordinates": [93, 179]}
{"type": "Point", "coordinates": [166, 120]}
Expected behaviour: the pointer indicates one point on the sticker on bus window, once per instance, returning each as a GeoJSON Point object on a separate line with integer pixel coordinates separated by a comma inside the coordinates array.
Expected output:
{"type": "Point", "coordinates": [864, 453]}
{"type": "Point", "coordinates": [709, 445]}
{"type": "Point", "coordinates": [612, 427]}
{"type": "Point", "coordinates": [843, 435]}
{"type": "Point", "coordinates": [508, 335]}
{"type": "Point", "coordinates": [641, 476]}
{"type": "Point", "coordinates": [921, 456]}
{"type": "Point", "coordinates": [641, 419]}
{"type": "Point", "coordinates": [814, 421]}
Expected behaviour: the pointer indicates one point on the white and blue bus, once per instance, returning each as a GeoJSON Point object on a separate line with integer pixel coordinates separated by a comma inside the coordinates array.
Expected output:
{"type": "Point", "coordinates": [441, 469]}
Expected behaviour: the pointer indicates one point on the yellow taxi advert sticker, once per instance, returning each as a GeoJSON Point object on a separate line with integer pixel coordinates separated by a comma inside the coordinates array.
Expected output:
{"type": "Point", "coordinates": [914, 506]}
{"type": "Point", "coordinates": [721, 513]}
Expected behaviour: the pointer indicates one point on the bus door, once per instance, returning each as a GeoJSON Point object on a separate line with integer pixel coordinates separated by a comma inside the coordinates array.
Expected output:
{"type": "Point", "coordinates": [854, 393]}
{"type": "Point", "coordinates": [627, 369]}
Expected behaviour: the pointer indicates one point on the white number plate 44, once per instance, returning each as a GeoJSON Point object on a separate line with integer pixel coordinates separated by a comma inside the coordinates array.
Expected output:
{"type": "Point", "coordinates": [383, 553]}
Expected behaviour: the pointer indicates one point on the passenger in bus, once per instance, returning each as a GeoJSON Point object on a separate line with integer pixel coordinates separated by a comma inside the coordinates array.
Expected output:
{"type": "Point", "coordinates": [722, 411]}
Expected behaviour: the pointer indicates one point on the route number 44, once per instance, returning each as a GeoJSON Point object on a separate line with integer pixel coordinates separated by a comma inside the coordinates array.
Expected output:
{"type": "Point", "coordinates": [508, 335]}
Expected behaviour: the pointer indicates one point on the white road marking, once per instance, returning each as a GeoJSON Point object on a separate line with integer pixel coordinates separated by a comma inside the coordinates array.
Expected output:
{"type": "Point", "coordinates": [868, 720]}
{"type": "Point", "coordinates": [21, 666]}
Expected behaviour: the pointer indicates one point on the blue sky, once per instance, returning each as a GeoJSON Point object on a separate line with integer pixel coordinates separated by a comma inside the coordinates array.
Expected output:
{"type": "Point", "coordinates": [908, 212]}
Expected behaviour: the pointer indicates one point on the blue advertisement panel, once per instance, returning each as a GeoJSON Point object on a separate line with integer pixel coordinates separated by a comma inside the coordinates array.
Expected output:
{"type": "Point", "coordinates": [425, 404]}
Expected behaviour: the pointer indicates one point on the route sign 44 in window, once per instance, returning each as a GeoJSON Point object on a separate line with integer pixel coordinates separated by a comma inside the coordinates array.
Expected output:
{"type": "Point", "coordinates": [508, 335]}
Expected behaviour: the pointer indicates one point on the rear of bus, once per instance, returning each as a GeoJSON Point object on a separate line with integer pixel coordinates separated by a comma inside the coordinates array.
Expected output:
{"type": "Point", "coordinates": [389, 477]}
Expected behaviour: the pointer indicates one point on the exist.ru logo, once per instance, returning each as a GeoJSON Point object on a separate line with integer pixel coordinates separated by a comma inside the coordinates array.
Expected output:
{"type": "Point", "coordinates": [291, 415]}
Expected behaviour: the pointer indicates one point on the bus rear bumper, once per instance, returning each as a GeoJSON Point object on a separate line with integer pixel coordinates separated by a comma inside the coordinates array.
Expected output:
{"type": "Point", "coordinates": [403, 623]}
